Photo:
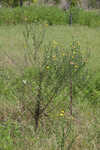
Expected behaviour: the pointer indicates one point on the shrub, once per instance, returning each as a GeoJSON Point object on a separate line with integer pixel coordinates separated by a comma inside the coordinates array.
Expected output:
{"type": "Point", "coordinates": [49, 72]}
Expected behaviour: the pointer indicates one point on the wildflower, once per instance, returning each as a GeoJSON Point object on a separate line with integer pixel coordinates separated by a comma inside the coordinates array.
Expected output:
{"type": "Point", "coordinates": [72, 118]}
{"type": "Point", "coordinates": [62, 111]}
{"type": "Point", "coordinates": [78, 43]}
{"type": "Point", "coordinates": [61, 114]}
{"type": "Point", "coordinates": [72, 56]}
{"type": "Point", "coordinates": [24, 81]}
{"type": "Point", "coordinates": [25, 46]}
{"type": "Point", "coordinates": [76, 66]}
{"type": "Point", "coordinates": [46, 25]}
{"type": "Point", "coordinates": [47, 67]}
{"type": "Point", "coordinates": [63, 54]}
{"type": "Point", "coordinates": [54, 57]}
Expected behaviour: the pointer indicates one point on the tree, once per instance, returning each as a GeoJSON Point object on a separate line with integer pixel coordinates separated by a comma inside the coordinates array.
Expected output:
{"type": "Point", "coordinates": [72, 3]}
{"type": "Point", "coordinates": [15, 3]}
{"type": "Point", "coordinates": [21, 3]}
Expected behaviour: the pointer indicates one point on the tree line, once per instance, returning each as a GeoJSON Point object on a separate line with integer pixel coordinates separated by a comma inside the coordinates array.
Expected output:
{"type": "Point", "coordinates": [87, 3]}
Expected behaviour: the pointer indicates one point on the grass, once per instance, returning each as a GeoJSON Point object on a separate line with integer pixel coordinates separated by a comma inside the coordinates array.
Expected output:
{"type": "Point", "coordinates": [85, 121]}
{"type": "Point", "coordinates": [12, 40]}
{"type": "Point", "coordinates": [52, 15]}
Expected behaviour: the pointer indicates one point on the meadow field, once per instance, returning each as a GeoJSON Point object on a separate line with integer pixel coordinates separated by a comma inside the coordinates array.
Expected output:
{"type": "Point", "coordinates": [12, 39]}
{"type": "Point", "coordinates": [57, 129]}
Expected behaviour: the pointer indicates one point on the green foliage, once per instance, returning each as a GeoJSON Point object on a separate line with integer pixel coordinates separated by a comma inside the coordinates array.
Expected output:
{"type": "Point", "coordinates": [10, 3]}
{"type": "Point", "coordinates": [57, 1]}
{"type": "Point", "coordinates": [44, 75]}
{"type": "Point", "coordinates": [92, 93]}
{"type": "Point", "coordinates": [63, 134]}
{"type": "Point", "coordinates": [74, 3]}
{"type": "Point", "coordinates": [9, 131]}
{"type": "Point", "coordinates": [92, 3]}
{"type": "Point", "coordinates": [89, 18]}
{"type": "Point", "coordinates": [52, 15]}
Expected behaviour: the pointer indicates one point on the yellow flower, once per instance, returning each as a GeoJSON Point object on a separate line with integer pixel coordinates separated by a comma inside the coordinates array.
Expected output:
{"type": "Point", "coordinates": [54, 57]}
{"type": "Point", "coordinates": [78, 43]}
{"type": "Point", "coordinates": [46, 25]}
{"type": "Point", "coordinates": [47, 67]}
{"type": "Point", "coordinates": [72, 118]}
{"type": "Point", "coordinates": [61, 114]}
{"type": "Point", "coordinates": [62, 111]}
{"type": "Point", "coordinates": [72, 56]}
{"type": "Point", "coordinates": [25, 46]}
{"type": "Point", "coordinates": [63, 54]}
{"type": "Point", "coordinates": [76, 66]}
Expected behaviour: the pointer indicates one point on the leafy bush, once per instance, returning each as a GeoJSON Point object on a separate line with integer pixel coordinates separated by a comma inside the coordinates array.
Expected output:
{"type": "Point", "coordinates": [52, 15]}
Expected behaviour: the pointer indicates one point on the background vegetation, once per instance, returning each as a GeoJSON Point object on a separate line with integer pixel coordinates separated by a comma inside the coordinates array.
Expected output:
{"type": "Point", "coordinates": [83, 3]}
{"type": "Point", "coordinates": [51, 15]}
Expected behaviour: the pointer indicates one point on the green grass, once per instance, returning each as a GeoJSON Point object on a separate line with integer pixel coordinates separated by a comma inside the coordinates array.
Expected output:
{"type": "Point", "coordinates": [12, 40]}
{"type": "Point", "coordinates": [86, 117]}
{"type": "Point", "coordinates": [51, 15]}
